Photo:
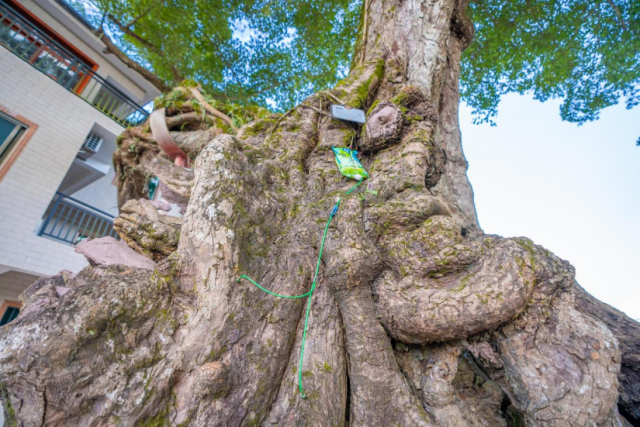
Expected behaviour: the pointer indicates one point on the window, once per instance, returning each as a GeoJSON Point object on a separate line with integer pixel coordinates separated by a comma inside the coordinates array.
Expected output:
{"type": "Point", "coordinates": [9, 311]}
{"type": "Point", "coordinates": [10, 132]}
{"type": "Point", "coordinates": [29, 38]}
{"type": "Point", "coordinates": [15, 132]}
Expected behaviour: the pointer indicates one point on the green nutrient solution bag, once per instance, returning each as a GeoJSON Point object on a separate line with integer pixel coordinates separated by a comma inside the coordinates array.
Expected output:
{"type": "Point", "coordinates": [349, 164]}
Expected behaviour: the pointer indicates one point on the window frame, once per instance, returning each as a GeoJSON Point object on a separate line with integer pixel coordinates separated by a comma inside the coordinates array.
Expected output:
{"type": "Point", "coordinates": [12, 138]}
{"type": "Point", "coordinates": [9, 304]}
{"type": "Point", "coordinates": [13, 152]}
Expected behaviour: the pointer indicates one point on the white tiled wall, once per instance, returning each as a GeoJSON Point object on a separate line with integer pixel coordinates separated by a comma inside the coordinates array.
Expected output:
{"type": "Point", "coordinates": [26, 190]}
{"type": "Point", "coordinates": [12, 283]}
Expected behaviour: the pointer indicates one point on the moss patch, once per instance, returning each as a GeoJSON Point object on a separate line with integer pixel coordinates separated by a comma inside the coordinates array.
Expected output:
{"type": "Point", "coordinates": [360, 94]}
{"type": "Point", "coordinates": [258, 127]}
{"type": "Point", "coordinates": [10, 419]}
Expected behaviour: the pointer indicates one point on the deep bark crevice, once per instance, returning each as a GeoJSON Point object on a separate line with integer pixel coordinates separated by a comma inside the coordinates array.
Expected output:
{"type": "Point", "coordinates": [347, 417]}
{"type": "Point", "coordinates": [512, 415]}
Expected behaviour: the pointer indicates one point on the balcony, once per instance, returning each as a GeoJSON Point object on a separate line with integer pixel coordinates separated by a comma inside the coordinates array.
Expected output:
{"type": "Point", "coordinates": [69, 220]}
{"type": "Point", "coordinates": [29, 43]}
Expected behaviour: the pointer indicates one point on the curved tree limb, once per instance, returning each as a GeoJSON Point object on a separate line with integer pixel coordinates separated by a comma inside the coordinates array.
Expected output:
{"type": "Point", "coordinates": [143, 14]}
{"type": "Point", "coordinates": [127, 30]}
{"type": "Point", "coordinates": [196, 93]}
{"type": "Point", "coordinates": [115, 50]}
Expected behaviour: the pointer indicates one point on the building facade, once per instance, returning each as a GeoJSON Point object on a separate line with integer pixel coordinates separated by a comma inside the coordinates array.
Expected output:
{"type": "Point", "coordinates": [63, 102]}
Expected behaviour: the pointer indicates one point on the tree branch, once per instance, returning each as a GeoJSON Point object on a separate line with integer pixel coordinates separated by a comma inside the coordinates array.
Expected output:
{"type": "Point", "coordinates": [196, 93]}
{"type": "Point", "coordinates": [616, 9]}
{"type": "Point", "coordinates": [112, 48]}
{"type": "Point", "coordinates": [182, 119]}
{"type": "Point", "coordinates": [125, 29]}
{"type": "Point", "coordinates": [364, 32]}
{"type": "Point", "coordinates": [143, 14]}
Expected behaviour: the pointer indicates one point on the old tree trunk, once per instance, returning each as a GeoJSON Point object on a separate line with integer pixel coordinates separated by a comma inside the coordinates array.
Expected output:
{"type": "Point", "coordinates": [418, 318]}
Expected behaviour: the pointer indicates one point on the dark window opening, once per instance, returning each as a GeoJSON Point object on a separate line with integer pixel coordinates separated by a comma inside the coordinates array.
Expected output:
{"type": "Point", "coordinates": [9, 315]}
{"type": "Point", "coordinates": [10, 131]}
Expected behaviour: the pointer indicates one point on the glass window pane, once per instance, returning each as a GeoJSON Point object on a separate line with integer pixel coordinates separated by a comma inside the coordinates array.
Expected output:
{"type": "Point", "coordinates": [9, 314]}
{"type": "Point", "coordinates": [9, 132]}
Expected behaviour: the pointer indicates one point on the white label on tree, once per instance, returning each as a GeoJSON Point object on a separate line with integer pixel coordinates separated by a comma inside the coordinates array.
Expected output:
{"type": "Point", "coordinates": [348, 114]}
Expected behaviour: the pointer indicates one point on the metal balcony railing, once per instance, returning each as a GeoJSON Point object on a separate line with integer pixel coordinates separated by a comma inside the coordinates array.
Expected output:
{"type": "Point", "coordinates": [29, 43]}
{"type": "Point", "coordinates": [69, 220]}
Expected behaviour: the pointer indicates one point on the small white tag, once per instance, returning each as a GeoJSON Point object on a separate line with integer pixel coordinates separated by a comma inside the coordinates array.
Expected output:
{"type": "Point", "coordinates": [348, 114]}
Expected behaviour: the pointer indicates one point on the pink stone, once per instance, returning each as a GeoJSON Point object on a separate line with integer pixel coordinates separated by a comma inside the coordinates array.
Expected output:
{"type": "Point", "coordinates": [61, 290]}
{"type": "Point", "coordinates": [160, 205]}
{"type": "Point", "coordinates": [109, 251]}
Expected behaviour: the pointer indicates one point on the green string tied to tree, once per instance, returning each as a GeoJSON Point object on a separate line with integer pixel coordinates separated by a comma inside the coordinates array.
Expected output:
{"type": "Point", "coordinates": [309, 294]}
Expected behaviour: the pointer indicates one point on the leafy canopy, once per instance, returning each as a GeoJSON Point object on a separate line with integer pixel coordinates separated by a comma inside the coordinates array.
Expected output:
{"type": "Point", "coordinates": [586, 52]}
{"type": "Point", "coordinates": [244, 51]}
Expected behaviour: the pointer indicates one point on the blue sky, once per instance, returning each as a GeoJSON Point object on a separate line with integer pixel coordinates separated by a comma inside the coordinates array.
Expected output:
{"type": "Point", "coordinates": [572, 189]}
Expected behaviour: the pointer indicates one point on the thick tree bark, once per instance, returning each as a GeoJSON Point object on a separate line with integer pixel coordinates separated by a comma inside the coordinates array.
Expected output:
{"type": "Point", "coordinates": [627, 331]}
{"type": "Point", "coordinates": [418, 318]}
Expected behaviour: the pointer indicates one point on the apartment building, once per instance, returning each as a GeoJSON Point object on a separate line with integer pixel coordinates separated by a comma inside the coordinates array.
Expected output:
{"type": "Point", "coordinates": [63, 101]}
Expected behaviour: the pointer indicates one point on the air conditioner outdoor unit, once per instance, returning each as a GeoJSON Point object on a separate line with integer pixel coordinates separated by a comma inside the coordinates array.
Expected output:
{"type": "Point", "coordinates": [90, 147]}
